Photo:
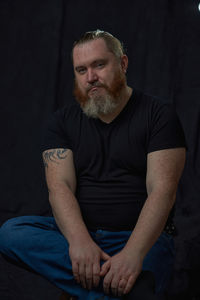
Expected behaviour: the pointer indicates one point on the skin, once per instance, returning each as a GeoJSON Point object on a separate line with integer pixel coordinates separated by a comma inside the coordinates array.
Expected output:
{"type": "Point", "coordinates": [93, 62]}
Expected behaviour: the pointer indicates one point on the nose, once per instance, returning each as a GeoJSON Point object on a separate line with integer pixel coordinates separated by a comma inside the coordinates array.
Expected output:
{"type": "Point", "coordinates": [91, 76]}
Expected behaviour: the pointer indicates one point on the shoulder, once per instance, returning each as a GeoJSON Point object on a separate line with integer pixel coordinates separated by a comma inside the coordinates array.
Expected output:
{"type": "Point", "coordinates": [153, 108]}
{"type": "Point", "coordinates": [66, 117]}
{"type": "Point", "coordinates": [161, 123]}
{"type": "Point", "coordinates": [68, 112]}
{"type": "Point", "coordinates": [151, 101]}
{"type": "Point", "coordinates": [59, 128]}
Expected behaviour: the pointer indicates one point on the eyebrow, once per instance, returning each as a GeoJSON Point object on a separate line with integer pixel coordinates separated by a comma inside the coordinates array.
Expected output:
{"type": "Point", "coordinates": [103, 60]}
{"type": "Point", "coordinates": [96, 61]}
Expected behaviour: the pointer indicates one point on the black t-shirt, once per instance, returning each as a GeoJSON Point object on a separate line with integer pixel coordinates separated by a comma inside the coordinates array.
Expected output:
{"type": "Point", "coordinates": [111, 159]}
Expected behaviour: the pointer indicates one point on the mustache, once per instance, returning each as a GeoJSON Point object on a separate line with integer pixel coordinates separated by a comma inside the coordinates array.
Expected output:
{"type": "Point", "coordinates": [96, 84]}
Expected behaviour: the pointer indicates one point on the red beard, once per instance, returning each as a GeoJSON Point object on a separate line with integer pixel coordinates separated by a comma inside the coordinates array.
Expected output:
{"type": "Point", "coordinates": [118, 84]}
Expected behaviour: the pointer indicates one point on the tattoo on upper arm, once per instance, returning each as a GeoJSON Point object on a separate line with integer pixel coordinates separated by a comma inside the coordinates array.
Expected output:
{"type": "Point", "coordinates": [53, 156]}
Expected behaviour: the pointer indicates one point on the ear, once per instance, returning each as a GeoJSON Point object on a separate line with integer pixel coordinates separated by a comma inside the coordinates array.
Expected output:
{"type": "Point", "coordinates": [124, 62]}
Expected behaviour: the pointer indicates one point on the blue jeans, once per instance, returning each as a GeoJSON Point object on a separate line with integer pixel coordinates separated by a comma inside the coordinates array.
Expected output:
{"type": "Point", "coordinates": [37, 242]}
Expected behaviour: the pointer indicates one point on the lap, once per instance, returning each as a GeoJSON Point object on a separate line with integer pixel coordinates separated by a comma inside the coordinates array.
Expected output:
{"type": "Point", "coordinates": [159, 260]}
{"type": "Point", "coordinates": [40, 235]}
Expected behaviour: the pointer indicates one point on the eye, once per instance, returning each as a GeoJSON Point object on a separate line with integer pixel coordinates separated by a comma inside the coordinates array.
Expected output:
{"type": "Point", "coordinates": [81, 71]}
{"type": "Point", "coordinates": [100, 65]}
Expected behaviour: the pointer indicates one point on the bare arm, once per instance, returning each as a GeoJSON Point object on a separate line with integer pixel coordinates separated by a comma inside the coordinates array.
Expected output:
{"type": "Point", "coordinates": [164, 169]}
{"type": "Point", "coordinates": [61, 181]}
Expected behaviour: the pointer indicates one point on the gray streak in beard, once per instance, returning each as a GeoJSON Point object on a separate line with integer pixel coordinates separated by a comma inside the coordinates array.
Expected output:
{"type": "Point", "coordinates": [101, 105]}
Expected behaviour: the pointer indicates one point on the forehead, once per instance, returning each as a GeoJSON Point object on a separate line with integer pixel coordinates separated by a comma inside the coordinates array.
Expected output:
{"type": "Point", "coordinates": [91, 51]}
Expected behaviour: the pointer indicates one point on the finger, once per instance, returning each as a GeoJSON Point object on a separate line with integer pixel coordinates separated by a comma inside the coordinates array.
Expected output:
{"type": "Point", "coordinates": [114, 285]}
{"type": "Point", "coordinates": [121, 286]}
{"type": "Point", "coordinates": [129, 284]}
{"type": "Point", "coordinates": [104, 255]}
{"type": "Point", "coordinates": [75, 270]}
{"type": "Point", "coordinates": [96, 274]}
{"type": "Point", "coordinates": [88, 273]}
{"type": "Point", "coordinates": [107, 282]}
{"type": "Point", "coordinates": [82, 275]}
{"type": "Point", "coordinates": [105, 268]}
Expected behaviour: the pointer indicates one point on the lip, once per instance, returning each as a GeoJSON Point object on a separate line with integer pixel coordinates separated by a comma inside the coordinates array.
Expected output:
{"type": "Point", "coordinates": [94, 88]}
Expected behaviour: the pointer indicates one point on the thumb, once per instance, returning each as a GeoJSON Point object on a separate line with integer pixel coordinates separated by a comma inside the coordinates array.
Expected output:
{"type": "Point", "coordinates": [104, 268]}
{"type": "Point", "coordinates": [104, 256]}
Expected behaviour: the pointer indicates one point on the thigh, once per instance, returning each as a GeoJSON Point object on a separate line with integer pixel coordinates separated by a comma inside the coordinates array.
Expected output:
{"type": "Point", "coordinates": [38, 243]}
{"type": "Point", "coordinates": [27, 230]}
{"type": "Point", "coordinates": [35, 241]}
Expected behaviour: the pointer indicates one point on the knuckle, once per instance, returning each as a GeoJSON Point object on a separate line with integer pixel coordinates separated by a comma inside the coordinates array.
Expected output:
{"type": "Point", "coordinates": [97, 268]}
{"type": "Point", "coordinates": [122, 286]}
{"type": "Point", "coordinates": [113, 287]}
{"type": "Point", "coordinates": [74, 261]}
{"type": "Point", "coordinates": [87, 260]}
{"type": "Point", "coordinates": [128, 286]}
{"type": "Point", "coordinates": [88, 278]}
{"type": "Point", "coordinates": [81, 277]}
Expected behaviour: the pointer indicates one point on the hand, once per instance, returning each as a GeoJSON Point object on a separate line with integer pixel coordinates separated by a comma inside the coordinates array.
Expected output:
{"type": "Point", "coordinates": [121, 272]}
{"type": "Point", "coordinates": [85, 258]}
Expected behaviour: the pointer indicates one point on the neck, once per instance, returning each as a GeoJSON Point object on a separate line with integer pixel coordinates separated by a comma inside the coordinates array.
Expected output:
{"type": "Point", "coordinates": [125, 96]}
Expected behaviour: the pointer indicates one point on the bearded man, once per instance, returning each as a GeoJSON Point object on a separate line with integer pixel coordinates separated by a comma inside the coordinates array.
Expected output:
{"type": "Point", "coordinates": [113, 162]}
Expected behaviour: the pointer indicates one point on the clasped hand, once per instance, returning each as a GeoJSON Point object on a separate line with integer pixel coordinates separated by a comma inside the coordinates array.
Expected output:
{"type": "Point", "coordinates": [85, 260]}
{"type": "Point", "coordinates": [119, 271]}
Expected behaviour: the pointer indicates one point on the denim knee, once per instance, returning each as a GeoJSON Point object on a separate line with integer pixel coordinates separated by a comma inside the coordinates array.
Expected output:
{"type": "Point", "coordinates": [8, 235]}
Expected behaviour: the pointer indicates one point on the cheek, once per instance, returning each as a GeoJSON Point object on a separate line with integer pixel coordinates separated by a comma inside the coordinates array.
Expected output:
{"type": "Point", "coordinates": [108, 80]}
{"type": "Point", "coordinates": [80, 84]}
{"type": "Point", "coordinates": [109, 75]}
{"type": "Point", "coordinates": [104, 78]}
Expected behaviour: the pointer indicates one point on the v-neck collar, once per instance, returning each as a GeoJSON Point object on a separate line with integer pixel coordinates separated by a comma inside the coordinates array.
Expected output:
{"type": "Point", "coordinates": [121, 113]}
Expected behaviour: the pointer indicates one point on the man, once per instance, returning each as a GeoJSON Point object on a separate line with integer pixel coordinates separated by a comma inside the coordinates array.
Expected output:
{"type": "Point", "coordinates": [112, 166]}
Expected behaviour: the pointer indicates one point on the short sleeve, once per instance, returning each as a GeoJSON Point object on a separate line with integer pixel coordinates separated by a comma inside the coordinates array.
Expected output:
{"type": "Point", "coordinates": [165, 129]}
{"type": "Point", "coordinates": [54, 133]}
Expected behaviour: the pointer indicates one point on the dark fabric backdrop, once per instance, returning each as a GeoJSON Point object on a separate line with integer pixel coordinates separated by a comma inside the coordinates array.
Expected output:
{"type": "Point", "coordinates": [36, 77]}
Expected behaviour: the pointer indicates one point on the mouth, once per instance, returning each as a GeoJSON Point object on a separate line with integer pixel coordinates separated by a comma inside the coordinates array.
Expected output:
{"type": "Point", "coordinates": [96, 88]}
{"type": "Point", "coordinates": [93, 89]}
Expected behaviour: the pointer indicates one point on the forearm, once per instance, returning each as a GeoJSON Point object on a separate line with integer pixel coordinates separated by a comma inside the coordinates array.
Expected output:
{"type": "Point", "coordinates": [164, 169]}
{"type": "Point", "coordinates": [151, 222]}
{"type": "Point", "coordinates": [84, 253]}
{"type": "Point", "coordinates": [67, 213]}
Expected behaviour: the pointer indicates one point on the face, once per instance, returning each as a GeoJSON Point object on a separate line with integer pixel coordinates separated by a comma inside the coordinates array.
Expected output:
{"type": "Point", "coordinates": [99, 77]}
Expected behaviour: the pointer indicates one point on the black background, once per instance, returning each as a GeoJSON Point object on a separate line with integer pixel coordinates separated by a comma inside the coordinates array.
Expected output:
{"type": "Point", "coordinates": [162, 39]}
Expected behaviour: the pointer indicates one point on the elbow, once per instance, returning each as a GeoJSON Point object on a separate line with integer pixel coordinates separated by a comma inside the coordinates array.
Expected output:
{"type": "Point", "coordinates": [166, 194]}
{"type": "Point", "coordinates": [60, 187]}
